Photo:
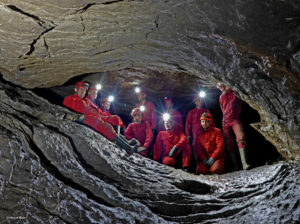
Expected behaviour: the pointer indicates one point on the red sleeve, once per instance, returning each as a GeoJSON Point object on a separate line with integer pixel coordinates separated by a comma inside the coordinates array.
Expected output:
{"type": "Point", "coordinates": [200, 151]}
{"type": "Point", "coordinates": [188, 124]}
{"type": "Point", "coordinates": [157, 147]}
{"type": "Point", "coordinates": [182, 140]}
{"type": "Point", "coordinates": [128, 132]}
{"type": "Point", "coordinates": [149, 136]}
{"type": "Point", "coordinates": [75, 103]}
{"type": "Point", "coordinates": [219, 151]}
{"type": "Point", "coordinates": [153, 116]}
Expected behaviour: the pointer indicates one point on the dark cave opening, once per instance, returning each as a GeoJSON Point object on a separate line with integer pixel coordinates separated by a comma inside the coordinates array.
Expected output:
{"type": "Point", "coordinates": [260, 151]}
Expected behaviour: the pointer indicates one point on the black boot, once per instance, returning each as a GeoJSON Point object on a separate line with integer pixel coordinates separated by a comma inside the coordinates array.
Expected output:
{"type": "Point", "coordinates": [235, 161]}
{"type": "Point", "coordinates": [124, 145]}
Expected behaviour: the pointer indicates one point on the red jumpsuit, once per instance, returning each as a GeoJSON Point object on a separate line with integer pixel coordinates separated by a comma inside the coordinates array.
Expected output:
{"type": "Point", "coordinates": [193, 123]}
{"type": "Point", "coordinates": [149, 113]}
{"type": "Point", "coordinates": [231, 107]}
{"type": "Point", "coordinates": [92, 119]}
{"type": "Point", "coordinates": [164, 143]}
{"type": "Point", "coordinates": [142, 132]}
{"type": "Point", "coordinates": [106, 117]}
{"type": "Point", "coordinates": [210, 143]}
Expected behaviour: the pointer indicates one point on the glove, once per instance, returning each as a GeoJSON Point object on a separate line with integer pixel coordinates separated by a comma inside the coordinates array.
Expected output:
{"type": "Point", "coordinates": [210, 161]}
{"type": "Point", "coordinates": [141, 149]}
{"type": "Point", "coordinates": [189, 138]}
{"type": "Point", "coordinates": [80, 118]}
{"type": "Point", "coordinates": [205, 162]}
{"type": "Point", "coordinates": [134, 141]}
{"type": "Point", "coordinates": [173, 151]}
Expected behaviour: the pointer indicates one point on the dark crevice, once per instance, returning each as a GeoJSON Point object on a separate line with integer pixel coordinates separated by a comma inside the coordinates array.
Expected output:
{"type": "Point", "coordinates": [47, 47]}
{"type": "Point", "coordinates": [103, 52]}
{"type": "Point", "coordinates": [84, 8]}
{"type": "Point", "coordinates": [83, 26]}
{"type": "Point", "coordinates": [112, 2]}
{"type": "Point", "coordinates": [32, 48]}
{"type": "Point", "coordinates": [153, 29]}
{"type": "Point", "coordinates": [16, 9]}
{"type": "Point", "coordinates": [195, 187]}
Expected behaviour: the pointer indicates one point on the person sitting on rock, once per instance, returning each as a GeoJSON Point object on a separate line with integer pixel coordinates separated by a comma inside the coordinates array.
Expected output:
{"type": "Point", "coordinates": [107, 117]}
{"type": "Point", "coordinates": [92, 119]}
{"type": "Point", "coordinates": [231, 107]}
{"type": "Point", "coordinates": [210, 147]}
{"type": "Point", "coordinates": [140, 130]}
{"type": "Point", "coordinates": [170, 144]}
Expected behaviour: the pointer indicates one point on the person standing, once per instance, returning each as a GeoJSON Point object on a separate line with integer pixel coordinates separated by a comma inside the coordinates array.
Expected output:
{"type": "Point", "coordinates": [231, 107]}
{"type": "Point", "coordinates": [193, 124]}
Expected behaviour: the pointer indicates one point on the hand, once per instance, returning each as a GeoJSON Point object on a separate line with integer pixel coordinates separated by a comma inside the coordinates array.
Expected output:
{"type": "Point", "coordinates": [141, 149]}
{"type": "Point", "coordinates": [210, 162]}
{"type": "Point", "coordinates": [189, 138]}
{"type": "Point", "coordinates": [173, 151]}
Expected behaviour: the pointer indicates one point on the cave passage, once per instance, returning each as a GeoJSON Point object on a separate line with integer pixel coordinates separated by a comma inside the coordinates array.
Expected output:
{"type": "Point", "coordinates": [260, 151]}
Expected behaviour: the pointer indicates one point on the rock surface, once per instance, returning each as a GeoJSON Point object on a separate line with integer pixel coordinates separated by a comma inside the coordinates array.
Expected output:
{"type": "Point", "coordinates": [54, 170]}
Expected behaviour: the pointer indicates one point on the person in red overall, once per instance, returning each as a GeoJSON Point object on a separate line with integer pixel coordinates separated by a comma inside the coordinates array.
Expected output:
{"type": "Point", "coordinates": [111, 119]}
{"type": "Point", "coordinates": [231, 107]}
{"type": "Point", "coordinates": [92, 119]}
{"type": "Point", "coordinates": [149, 113]}
{"type": "Point", "coordinates": [193, 124]}
{"type": "Point", "coordinates": [176, 115]}
{"type": "Point", "coordinates": [170, 144]}
{"type": "Point", "coordinates": [140, 130]}
{"type": "Point", "coordinates": [210, 147]}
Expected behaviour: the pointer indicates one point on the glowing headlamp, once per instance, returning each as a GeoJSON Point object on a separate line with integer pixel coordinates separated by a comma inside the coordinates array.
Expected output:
{"type": "Point", "coordinates": [202, 94]}
{"type": "Point", "coordinates": [142, 108]}
{"type": "Point", "coordinates": [98, 86]}
{"type": "Point", "coordinates": [166, 116]}
{"type": "Point", "coordinates": [111, 98]}
{"type": "Point", "coordinates": [137, 89]}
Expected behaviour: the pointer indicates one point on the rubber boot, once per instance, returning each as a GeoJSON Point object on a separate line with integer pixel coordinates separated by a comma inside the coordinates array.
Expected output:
{"type": "Point", "coordinates": [118, 130]}
{"type": "Point", "coordinates": [235, 161]}
{"type": "Point", "coordinates": [132, 141]}
{"type": "Point", "coordinates": [124, 145]}
{"type": "Point", "coordinates": [243, 154]}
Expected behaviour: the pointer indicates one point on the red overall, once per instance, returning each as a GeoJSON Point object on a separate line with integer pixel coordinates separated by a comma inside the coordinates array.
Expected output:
{"type": "Point", "coordinates": [231, 107]}
{"type": "Point", "coordinates": [142, 132]}
{"type": "Point", "coordinates": [210, 143]}
{"type": "Point", "coordinates": [193, 123]}
{"type": "Point", "coordinates": [92, 119]}
{"type": "Point", "coordinates": [165, 141]}
{"type": "Point", "coordinates": [106, 117]}
{"type": "Point", "coordinates": [149, 113]}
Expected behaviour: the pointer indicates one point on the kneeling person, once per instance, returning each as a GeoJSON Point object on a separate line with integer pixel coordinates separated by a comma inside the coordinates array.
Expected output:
{"type": "Point", "coordinates": [170, 143]}
{"type": "Point", "coordinates": [210, 147]}
{"type": "Point", "coordinates": [140, 130]}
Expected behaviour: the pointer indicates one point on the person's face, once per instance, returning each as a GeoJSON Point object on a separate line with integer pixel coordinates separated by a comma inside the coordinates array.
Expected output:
{"type": "Point", "coordinates": [222, 87]}
{"type": "Point", "coordinates": [199, 103]}
{"type": "Point", "coordinates": [93, 94]}
{"type": "Point", "coordinates": [168, 125]}
{"type": "Point", "coordinates": [80, 92]}
{"type": "Point", "coordinates": [141, 96]}
{"type": "Point", "coordinates": [205, 124]}
{"type": "Point", "coordinates": [137, 118]}
{"type": "Point", "coordinates": [169, 104]}
{"type": "Point", "coordinates": [106, 105]}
